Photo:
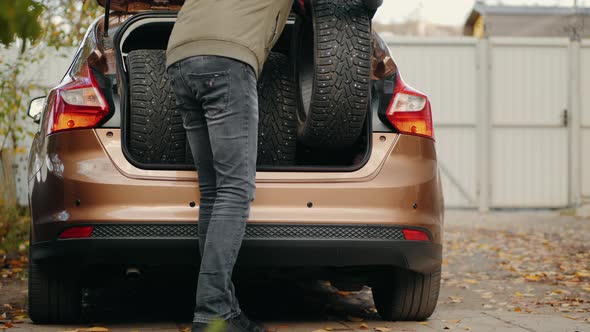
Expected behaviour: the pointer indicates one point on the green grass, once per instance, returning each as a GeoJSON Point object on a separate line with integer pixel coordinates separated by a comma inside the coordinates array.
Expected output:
{"type": "Point", "coordinates": [14, 231]}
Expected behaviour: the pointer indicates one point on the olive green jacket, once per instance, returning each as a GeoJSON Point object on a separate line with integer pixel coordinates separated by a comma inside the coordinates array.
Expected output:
{"type": "Point", "coordinates": [245, 30]}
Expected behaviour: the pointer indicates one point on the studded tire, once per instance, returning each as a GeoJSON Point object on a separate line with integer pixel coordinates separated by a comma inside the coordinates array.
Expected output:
{"type": "Point", "coordinates": [156, 134]}
{"type": "Point", "coordinates": [332, 59]}
{"type": "Point", "coordinates": [277, 123]}
{"type": "Point", "coordinates": [407, 295]}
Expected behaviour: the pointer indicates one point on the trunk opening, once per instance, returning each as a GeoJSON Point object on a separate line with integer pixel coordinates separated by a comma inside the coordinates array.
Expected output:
{"type": "Point", "coordinates": [151, 31]}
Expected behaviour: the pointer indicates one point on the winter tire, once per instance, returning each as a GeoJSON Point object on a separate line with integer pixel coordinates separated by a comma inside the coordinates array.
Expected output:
{"type": "Point", "coordinates": [332, 56]}
{"type": "Point", "coordinates": [156, 134]}
{"type": "Point", "coordinates": [277, 106]}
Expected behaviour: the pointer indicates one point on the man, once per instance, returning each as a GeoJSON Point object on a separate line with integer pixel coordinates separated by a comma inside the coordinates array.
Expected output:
{"type": "Point", "coordinates": [216, 52]}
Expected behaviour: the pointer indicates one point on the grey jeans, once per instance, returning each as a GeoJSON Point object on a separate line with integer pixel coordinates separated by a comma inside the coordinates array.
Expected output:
{"type": "Point", "coordinates": [218, 101]}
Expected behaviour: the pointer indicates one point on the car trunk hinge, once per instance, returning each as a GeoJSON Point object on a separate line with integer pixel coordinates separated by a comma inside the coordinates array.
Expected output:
{"type": "Point", "coordinates": [107, 10]}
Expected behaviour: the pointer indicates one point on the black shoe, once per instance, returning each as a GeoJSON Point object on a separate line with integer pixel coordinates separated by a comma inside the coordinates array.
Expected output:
{"type": "Point", "coordinates": [244, 324]}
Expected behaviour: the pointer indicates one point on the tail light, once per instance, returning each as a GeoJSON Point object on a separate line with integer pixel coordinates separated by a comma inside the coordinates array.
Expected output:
{"type": "Point", "coordinates": [76, 232]}
{"type": "Point", "coordinates": [415, 235]}
{"type": "Point", "coordinates": [77, 103]}
{"type": "Point", "coordinates": [409, 111]}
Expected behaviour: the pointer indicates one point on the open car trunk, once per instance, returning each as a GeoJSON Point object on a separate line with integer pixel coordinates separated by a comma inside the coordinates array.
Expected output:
{"type": "Point", "coordinates": [152, 132]}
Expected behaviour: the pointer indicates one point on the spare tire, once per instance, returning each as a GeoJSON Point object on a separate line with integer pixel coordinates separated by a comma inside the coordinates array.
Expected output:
{"type": "Point", "coordinates": [332, 57]}
{"type": "Point", "coordinates": [277, 119]}
{"type": "Point", "coordinates": [156, 135]}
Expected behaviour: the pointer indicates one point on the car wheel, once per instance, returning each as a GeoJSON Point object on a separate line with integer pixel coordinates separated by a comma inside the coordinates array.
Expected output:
{"type": "Point", "coordinates": [54, 293]}
{"type": "Point", "coordinates": [332, 59]}
{"type": "Point", "coordinates": [156, 134]}
{"type": "Point", "coordinates": [406, 295]}
{"type": "Point", "coordinates": [277, 137]}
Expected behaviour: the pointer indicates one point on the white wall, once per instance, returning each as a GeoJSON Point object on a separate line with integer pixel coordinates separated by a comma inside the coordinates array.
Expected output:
{"type": "Point", "coordinates": [498, 107]}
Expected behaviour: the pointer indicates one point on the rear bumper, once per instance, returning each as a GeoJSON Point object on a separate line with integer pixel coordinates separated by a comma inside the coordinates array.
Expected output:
{"type": "Point", "coordinates": [338, 246]}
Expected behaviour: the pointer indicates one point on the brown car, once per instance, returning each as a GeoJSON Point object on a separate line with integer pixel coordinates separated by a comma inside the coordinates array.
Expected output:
{"type": "Point", "coordinates": [112, 182]}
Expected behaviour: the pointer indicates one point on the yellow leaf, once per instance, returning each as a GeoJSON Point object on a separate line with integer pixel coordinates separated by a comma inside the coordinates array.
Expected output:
{"type": "Point", "coordinates": [424, 323]}
{"type": "Point", "coordinates": [96, 329]}
{"type": "Point", "coordinates": [583, 274]}
{"type": "Point", "coordinates": [363, 326]}
{"type": "Point", "coordinates": [382, 329]}
{"type": "Point", "coordinates": [587, 289]}
{"type": "Point", "coordinates": [518, 309]}
{"type": "Point", "coordinates": [532, 277]}
{"type": "Point", "coordinates": [519, 294]}
{"type": "Point", "coordinates": [454, 321]}
{"type": "Point", "coordinates": [328, 328]}
{"type": "Point", "coordinates": [570, 317]}
{"type": "Point", "coordinates": [471, 281]}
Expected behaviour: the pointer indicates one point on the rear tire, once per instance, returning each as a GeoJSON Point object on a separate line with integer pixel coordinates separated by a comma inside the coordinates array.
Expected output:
{"type": "Point", "coordinates": [156, 134]}
{"type": "Point", "coordinates": [332, 56]}
{"type": "Point", "coordinates": [407, 295]}
{"type": "Point", "coordinates": [277, 119]}
{"type": "Point", "coordinates": [54, 293]}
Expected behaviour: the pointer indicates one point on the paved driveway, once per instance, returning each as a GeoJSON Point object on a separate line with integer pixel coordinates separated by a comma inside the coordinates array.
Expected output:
{"type": "Point", "coordinates": [502, 272]}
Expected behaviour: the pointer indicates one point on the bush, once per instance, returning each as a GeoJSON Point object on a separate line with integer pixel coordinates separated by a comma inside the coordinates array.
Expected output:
{"type": "Point", "coordinates": [14, 232]}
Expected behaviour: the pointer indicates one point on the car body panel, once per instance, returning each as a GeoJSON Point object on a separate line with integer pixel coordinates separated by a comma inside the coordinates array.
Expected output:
{"type": "Point", "coordinates": [79, 184]}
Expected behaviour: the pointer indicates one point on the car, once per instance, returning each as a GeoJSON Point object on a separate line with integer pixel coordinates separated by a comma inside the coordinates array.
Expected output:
{"type": "Point", "coordinates": [348, 188]}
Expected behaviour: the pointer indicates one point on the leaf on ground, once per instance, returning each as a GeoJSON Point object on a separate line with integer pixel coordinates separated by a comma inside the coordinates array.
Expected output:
{"type": "Point", "coordinates": [363, 326]}
{"type": "Point", "coordinates": [382, 329]}
{"type": "Point", "coordinates": [96, 329]}
{"type": "Point", "coordinates": [328, 328]}
{"type": "Point", "coordinates": [471, 281]}
{"type": "Point", "coordinates": [424, 323]}
{"type": "Point", "coordinates": [454, 321]}
{"type": "Point", "coordinates": [466, 328]}
{"type": "Point", "coordinates": [570, 317]}
{"type": "Point", "coordinates": [518, 309]}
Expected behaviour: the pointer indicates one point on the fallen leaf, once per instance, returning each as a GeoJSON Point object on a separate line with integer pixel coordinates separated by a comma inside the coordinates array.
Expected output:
{"type": "Point", "coordinates": [424, 323]}
{"type": "Point", "coordinates": [363, 326]}
{"type": "Point", "coordinates": [471, 281]}
{"type": "Point", "coordinates": [454, 321]}
{"type": "Point", "coordinates": [518, 309]}
{"type": "Point", "coordinates": [328, 328]}
{"type": "Point", "coordinates": [382, 329]}
{"type": "Point", "coordinates": [96, 329]}
{"type": "Point", "coordinates": [570, 317]}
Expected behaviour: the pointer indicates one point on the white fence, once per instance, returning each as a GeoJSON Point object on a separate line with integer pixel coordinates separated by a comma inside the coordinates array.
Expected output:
{"type": "Point", "coordinates": [512, 117]}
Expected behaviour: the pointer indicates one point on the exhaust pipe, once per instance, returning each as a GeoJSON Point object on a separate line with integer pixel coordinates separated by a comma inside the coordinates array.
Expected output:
{"type": "Point", "coordinates": [133, 273]}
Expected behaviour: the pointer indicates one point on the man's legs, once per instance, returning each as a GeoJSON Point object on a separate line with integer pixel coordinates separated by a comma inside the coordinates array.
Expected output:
{"type": "Point", "coordinates": [225, 91]}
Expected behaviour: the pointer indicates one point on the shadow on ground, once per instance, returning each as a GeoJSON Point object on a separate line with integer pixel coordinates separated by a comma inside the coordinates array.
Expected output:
{"type": "Point", "coordinates": [266, 299]}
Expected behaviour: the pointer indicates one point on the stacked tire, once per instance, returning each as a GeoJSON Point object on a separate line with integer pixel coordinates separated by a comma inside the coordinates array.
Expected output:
{"type": "Point", "coordinates": [323, 106]}
{"type": "Point", "coordinates": [332, 59]}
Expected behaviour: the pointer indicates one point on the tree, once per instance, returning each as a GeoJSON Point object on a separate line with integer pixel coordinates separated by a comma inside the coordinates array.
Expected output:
{"type": "Point", "coordinates": [20, 19]}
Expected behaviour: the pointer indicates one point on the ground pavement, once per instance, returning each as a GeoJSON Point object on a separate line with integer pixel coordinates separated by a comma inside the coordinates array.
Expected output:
{"type": "Point", "coordinates": [504, 271]}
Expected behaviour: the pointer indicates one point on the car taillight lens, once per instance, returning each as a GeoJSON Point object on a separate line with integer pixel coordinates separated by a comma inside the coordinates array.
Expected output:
{"type": "Point", "coordinates": [76, 232]}
{"type": "Point", "coordinates": [77, 103]}
{"type": "Point", "coordinates": [409, 111]}
{"type": "Point", "coordinates": [415, 235]}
